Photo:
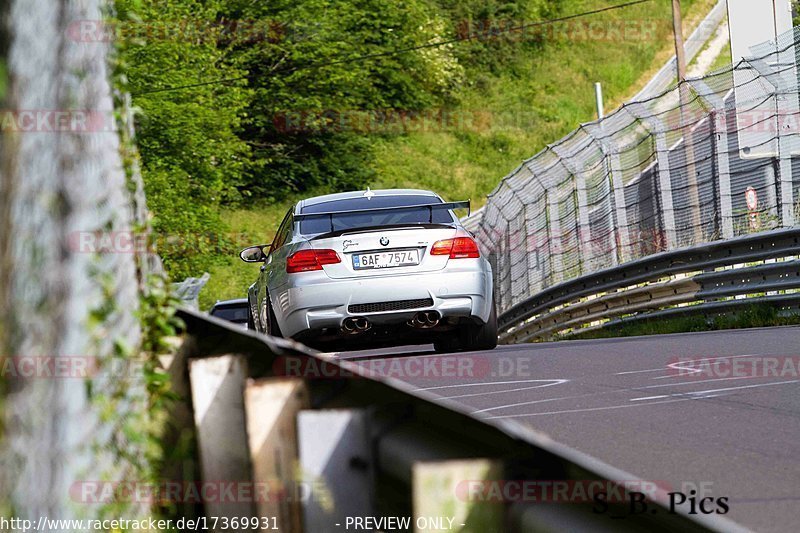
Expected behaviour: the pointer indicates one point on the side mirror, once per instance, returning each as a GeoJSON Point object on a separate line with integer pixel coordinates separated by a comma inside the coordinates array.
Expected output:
{"type": "Point", "coordinates": [254, 254]}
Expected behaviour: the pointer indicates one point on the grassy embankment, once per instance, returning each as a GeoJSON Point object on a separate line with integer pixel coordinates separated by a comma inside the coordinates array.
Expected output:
{"type": "Point", "coordinates": [534, 101]}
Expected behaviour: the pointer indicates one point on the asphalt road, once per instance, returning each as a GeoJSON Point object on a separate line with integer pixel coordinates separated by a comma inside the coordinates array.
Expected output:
{"type": "Point", "coordinates": [715, 412]}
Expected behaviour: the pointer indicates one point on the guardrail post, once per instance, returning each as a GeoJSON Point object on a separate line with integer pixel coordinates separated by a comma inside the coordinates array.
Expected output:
{"type": "Point", "coordinates": [336, 465]}
{"type": "Point", "coordinates": [272, 405]}
{"type": "Point", "coordinates": [450, 496]}
{"type": "Point", "coordinates": [218, 402]}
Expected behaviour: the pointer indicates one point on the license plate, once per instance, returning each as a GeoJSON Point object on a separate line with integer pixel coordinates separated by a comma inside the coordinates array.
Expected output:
{"type": "Point", "coordinates": [386, 259]}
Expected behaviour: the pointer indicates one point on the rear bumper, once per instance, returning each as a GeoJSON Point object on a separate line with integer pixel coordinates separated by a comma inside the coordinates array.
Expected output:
{"type": "Point", "coordinates": [314, 302]}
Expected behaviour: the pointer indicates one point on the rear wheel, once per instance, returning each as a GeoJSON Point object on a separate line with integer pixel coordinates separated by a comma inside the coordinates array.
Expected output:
{"type": "Point", "coordinates": [450, 344]}
{"type": "Point", "coordinates": [483, 337]}
{"type": "Point", "coordinates": [471, 338]}
{"type": "Point", "coordinates": [270, 322]}
{"type": "Point", "coordinates": [251, 324]}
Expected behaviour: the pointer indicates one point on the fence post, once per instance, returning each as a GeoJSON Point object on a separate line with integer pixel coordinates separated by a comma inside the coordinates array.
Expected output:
{"type": "Point", "coordinates": [786, 140]}
{"type": "Point", "coordinates": [623, 248]}
{"type": "Point", "coordinates": [336, 465]}
{"type": "Point", "coordinates": [719, 129]}
{"type": "Point", "coordinates": [582, 204]}
{"type": "Point", "coordinates": [272, 405]}
{"type": "Point", "coordinates": [218, 403]}
{"type": "Point", "coordinates": [584, 230]}
{"type": "Point", "coordinates": [554, 237]}
{"type": "Point", "coordinates": [655, 126]}
{"type": "Point", "coordinates": [784, 91]}
{"type": "Point", "coordinates": [444, 495]}
{"type": "Point", "coordinates": [724, 172]}
{"type": "Point", "coordinates": [617, 219]}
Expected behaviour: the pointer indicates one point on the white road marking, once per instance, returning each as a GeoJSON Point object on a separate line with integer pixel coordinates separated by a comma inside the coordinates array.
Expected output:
{"type": "Point", "coordinates": [590, 409]}
{"type": "Point", "coordinates": [539, 401]}
{"type": "Point", "coordinates": [650, 398]}
{"type": "Point", "coordinates": [490, 392]}
{"type": "Point", "coordinates": [677, 366]}
{"type": "Point", "coordinates": [696, 395]}
{"type": "Point", "coordinates": [639, 371]}
{"type": "Point", "coordinates": [549, 383]}
{"type": "Point", "coordinates": [744, 387]}
{"type": "Point", "coordinates": [687, 383]}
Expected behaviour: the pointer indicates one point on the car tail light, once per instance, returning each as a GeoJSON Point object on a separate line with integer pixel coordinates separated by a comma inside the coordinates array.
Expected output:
{"type": "Point", "coordinates": [308, 260]}
{"type": "Point", "coordinates": [458, 248]}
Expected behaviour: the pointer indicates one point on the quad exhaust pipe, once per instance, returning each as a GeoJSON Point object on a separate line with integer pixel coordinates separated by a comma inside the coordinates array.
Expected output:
{"type": "Point", "coordinates": [425, 320]}
{"type": "Point", "coordinates": [355, 325]}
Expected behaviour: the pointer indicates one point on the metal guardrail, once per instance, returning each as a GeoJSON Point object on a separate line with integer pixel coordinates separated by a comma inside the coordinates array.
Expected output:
{"type": "Point", "coordinates": [188, 290]}
{"type": "Point", "coordinates": [362, 445]}
{"type": "Point", "coordinates": [652, 284]}
{"type": "Point", "coordinates": [661, 187]}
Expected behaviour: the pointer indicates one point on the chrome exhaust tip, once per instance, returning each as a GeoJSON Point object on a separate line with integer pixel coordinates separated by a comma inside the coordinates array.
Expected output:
{"type": "Point", "coordinates": [425, 320]}
{"type": "Point", "coordinates": [355, 325]}
{"type": "Point", "coordinates": [432, 318]}
{"type": "Point", "coordinates": [349, 326]}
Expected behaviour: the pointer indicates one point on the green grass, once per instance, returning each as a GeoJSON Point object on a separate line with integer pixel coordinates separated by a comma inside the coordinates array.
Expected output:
{"type": "Point", "coordinates": [251, 226]}
{"type": "Point", "coordinates": [513, 114]}
{"type": "Point", "coordinates": [756, 316]}
{"type": "Point", "coordinates": [723, 59]}
{"type": "Point", "coordinates": [544, 97]}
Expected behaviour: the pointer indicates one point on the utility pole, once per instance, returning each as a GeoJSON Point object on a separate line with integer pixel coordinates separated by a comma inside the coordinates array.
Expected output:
{"type": "Point", "coordinates": [677, 29]}
{"type": "Point", "coordinates": [685, 97]}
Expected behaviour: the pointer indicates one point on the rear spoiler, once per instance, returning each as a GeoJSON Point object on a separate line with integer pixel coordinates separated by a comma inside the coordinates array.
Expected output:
{"type": "Point", "coordinates": [430, 207]}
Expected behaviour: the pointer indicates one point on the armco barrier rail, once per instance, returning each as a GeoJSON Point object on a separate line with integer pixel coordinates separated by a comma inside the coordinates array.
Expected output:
{"type": "Point", "coordinates": [645, 194]}
{"type": "Point", "coordinates": [704, 276]}
{"type": "Point", "coordinates": [305, 442]}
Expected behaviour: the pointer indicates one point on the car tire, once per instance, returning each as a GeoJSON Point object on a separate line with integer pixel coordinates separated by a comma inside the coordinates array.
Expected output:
{"type": "Point", "coordinates": [471, 338]}
{"type": "Point", "coordinates": [273, 329]}
{"type": "Point", "coordinates": [251, 324]}
{"type": "Point", "coordinates": [483, 337]}
{"type": "Point", "coordinates": [447, 345]}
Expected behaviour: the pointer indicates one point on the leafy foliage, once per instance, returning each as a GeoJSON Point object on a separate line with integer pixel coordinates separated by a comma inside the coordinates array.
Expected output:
{"type": "Point", "coordinates": [301, 110]}
{"type": "Point", "coordinates": [192, 156]}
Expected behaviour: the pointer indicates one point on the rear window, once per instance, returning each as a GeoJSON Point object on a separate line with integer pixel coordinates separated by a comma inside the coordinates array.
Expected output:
{"type": "Point", "coordinates": [345, 221]}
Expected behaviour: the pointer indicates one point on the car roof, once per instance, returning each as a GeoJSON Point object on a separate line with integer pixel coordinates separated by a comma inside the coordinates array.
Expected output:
{"type": "Point", "coordinates": [357, 194]}
{"type": "Point", "coordinates": [224, 303]}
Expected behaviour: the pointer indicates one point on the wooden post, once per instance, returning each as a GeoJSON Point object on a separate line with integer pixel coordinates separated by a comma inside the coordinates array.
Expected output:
{"type": "Point", "coordinates": [272, 406]}
{"type": "Point", "coordinates": [218, 401]}
{"type": "Point", "coordinates": [449, 496]}
{"type": "Point", "coordinates": [336, 464]}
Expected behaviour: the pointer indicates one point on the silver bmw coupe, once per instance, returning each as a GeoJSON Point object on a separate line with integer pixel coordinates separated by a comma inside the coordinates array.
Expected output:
{"type": "Point", "coordinates": [373, 269]}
